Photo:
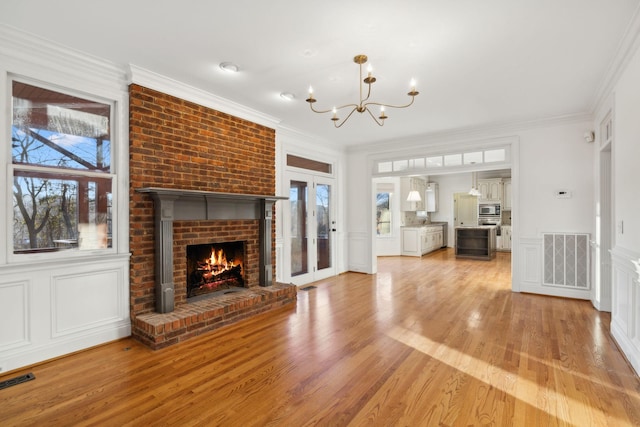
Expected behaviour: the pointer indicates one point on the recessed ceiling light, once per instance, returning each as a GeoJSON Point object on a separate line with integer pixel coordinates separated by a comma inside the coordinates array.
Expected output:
{"type": "Point", "coordinates": [308, 53]}
{"type": "Point", "coordinates": [229, 67]}
{"type": "Point", "coordinates": [287, 96]}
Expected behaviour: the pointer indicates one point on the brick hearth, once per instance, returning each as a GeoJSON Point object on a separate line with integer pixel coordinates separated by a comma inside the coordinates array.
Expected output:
{"type": "Point", "coordinates": [188, 320]}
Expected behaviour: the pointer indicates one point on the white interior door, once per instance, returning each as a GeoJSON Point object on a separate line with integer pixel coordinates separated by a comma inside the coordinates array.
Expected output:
{"type": "Point", "coordinates": [310, 228]}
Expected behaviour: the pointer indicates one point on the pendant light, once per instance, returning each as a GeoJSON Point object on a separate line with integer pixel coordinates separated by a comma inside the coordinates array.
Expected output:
{"type": "Point", "coordinates": [414, 195]}
{"type": "Point", "coordinates": [474, 185]}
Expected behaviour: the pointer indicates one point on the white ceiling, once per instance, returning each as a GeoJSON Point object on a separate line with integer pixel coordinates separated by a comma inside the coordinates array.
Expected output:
{"type": "Point", "coordinates": [476, 62]}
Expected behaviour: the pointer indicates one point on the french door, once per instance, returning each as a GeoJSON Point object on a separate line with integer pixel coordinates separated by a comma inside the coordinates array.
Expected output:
{"type": "Point", "coordinates": [311, 228]}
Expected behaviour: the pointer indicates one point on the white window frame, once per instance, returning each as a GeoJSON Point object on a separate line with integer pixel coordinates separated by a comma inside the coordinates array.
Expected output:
{"type": "Point", "coordinates": [13, 257]}
{"type": "Point", "coordinates": [403, 165]}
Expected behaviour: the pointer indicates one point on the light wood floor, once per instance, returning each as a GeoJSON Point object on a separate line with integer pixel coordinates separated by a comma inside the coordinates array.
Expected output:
{"type": "Point", "coordinates": [425, 342]}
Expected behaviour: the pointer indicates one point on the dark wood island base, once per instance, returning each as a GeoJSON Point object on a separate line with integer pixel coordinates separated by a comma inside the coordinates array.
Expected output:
{"type": "Point", "coordinates": [476, 242]}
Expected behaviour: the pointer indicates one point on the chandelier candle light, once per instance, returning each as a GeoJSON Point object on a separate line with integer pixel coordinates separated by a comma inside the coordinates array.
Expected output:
{"type": "Point", "coordinates": [364, 103]}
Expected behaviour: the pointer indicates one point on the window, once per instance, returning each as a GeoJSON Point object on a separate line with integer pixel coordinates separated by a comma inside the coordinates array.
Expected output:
{"type": "Point", "coordinates": [303, 163]}
{"type": "Point", "coordinates": [383, 214]}
{"type": "Point", "coordinates": [400, 165]}
{"type": "Point", "coordinates": [473, 158]}
{"type": "Point", "coordinates": [495, 155]}
{"type": "Point", "coordinates": [434, 162]}
{"type": "Point", "coordinates": [62, 175]}
{"type": "Point", "coordinates": [453, 159]}
{"type": "Point", "coordinates": [445, 162]}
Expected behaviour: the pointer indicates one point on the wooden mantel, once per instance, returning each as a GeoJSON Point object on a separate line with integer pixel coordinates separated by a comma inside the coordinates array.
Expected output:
{"type": "Point", "coordinates": [176, 204]}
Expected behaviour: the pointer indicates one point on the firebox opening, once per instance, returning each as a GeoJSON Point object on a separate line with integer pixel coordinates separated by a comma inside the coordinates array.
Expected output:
{"type": "Point", "coordinates": [215, 267]}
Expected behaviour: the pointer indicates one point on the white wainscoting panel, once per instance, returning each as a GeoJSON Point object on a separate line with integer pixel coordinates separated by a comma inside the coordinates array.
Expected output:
{"type": "Point", "coordinates": [625, 309]}
{"type": "Point", "coordinates": [359, 252]}
{"type": "Point", "coordinates": [49, 309]}
{"type": "Point", "coordinates": [530, 261]}
{"type": "Point", "coordinates": [14, 306]}
{"type": "Point", "coordinates": [83, 301]}
{"type": "Point", "coordinates": [622, 292]}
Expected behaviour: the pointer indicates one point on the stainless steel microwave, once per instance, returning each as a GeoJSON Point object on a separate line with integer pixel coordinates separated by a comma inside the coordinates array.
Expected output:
{"type": "Point", "coordinates": [489, 209]}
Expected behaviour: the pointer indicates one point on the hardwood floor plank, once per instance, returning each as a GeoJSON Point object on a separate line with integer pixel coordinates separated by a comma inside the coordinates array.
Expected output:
{"type": "Point", "coordinates": [426, 341]}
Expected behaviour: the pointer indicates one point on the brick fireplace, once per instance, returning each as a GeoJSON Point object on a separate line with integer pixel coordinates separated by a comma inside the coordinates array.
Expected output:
{"type": "Point", "coordinates": [197, 176]}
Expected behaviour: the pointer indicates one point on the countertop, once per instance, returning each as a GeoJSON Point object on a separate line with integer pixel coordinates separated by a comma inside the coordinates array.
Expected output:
{"type": "Point", "coordinates": [429, 224]}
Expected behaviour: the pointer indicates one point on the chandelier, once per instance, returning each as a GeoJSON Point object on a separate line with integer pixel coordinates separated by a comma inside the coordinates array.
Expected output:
{"type": "Point", "coordinates": [364, 104]}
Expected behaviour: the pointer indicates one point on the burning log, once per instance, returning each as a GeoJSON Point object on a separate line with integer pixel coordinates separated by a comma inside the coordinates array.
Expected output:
{"type": "Point", "coordinates": [205, 279]}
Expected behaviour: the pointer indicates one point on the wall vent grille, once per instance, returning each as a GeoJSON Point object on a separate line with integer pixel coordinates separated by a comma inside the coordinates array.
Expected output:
{"type": "Point", "coordinates": [566, 260]}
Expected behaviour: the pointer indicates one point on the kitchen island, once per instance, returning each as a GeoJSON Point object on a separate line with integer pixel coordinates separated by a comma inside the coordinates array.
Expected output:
{"type": "Point", "coordinates": [476, 242]}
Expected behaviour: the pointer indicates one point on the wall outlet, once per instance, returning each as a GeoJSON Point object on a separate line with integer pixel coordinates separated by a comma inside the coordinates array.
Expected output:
{"type": "Point", "coordinates": [620, 227]}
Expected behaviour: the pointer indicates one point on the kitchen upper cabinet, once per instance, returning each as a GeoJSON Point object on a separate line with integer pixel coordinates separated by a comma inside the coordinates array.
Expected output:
{"type": "Point", "coordinates": [506, 195]}
{"type": "Point", "coordinates": [431, 197]}
{"type": "Point", "coordinates": [490, 190]}
{"type": "Point", "coordinates": [408, 184]}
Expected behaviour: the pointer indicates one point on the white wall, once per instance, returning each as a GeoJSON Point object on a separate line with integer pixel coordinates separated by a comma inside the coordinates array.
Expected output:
{"type": "Point", "coordinates": [627, 156]}
{"type": "Point", "coordinates": [625, 310]}
{"type": "Point", "coordinates": [552, 159]}
{"type": "Point", "coordinates": [360, 207]}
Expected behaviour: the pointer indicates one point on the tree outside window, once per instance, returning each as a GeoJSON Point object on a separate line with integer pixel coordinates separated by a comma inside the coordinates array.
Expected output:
{"type": "Point", "coordinates": [383, 214]}
{"type": "Point", "coordinates": [61, 162]}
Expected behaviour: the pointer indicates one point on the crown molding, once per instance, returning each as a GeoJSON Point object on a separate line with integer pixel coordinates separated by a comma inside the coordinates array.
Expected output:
{"type": "Point", "coordinates": [289, 134]}
{"type": "Point", "coordinates": [155, 81]}
{"type": "Point", "coordinates": [473, 133]}
{"type": "Point", "coordinates": [26, 53]}
{"type": "Point", "coordinates": [627, 47]}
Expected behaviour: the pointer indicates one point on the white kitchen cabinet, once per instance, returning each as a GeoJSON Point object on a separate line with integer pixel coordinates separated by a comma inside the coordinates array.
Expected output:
{"type": "Point", "coordinates": [490, 190]}
{"type": "Point", "coordinates": [506, 195]}
{"type": "Point", "coordinates": [411, 241]}
{"type": "Point", "coordinates": [431, 197]}
{"type": "Point", "coordinates": [408, 184]}
{"type": "Point", "coordinates": [417, 241]}
{"type": "Point", "coordinates": [505, 241]}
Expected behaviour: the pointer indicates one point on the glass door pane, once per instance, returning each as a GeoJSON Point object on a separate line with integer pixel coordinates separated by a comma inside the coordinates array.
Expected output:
{"type": "Point", "coordinates": [298, 191]}
{"type": "Point", "coordinates": [323, 220]}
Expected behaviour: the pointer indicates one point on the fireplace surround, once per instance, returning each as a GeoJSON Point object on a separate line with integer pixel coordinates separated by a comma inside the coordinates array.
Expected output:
{"type": "Point", "coordinates": [176, 204]}
{"type": "Point", "coordinates": [172, 323]}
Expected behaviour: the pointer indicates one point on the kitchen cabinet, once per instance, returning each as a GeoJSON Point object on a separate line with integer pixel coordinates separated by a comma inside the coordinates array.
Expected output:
{"type": "Point", "coordinates": [506, 195]}
{"type": "Point", "coordinates": [490, 190]}
{"type": "Point", "coordinates": [408, 184]}
{"type": "Point", "coordinates": [505, 241]}
{"type": "Point", "coordinates": [431, 197]}
{"type": "Point", "coordinates": [445, 231]}
{"type": "Point", "coordinates": [418, 241]}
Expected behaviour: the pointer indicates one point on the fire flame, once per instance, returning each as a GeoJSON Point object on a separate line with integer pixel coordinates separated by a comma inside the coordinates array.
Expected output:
{"type": "Point", "coordinates": [218, 263]}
